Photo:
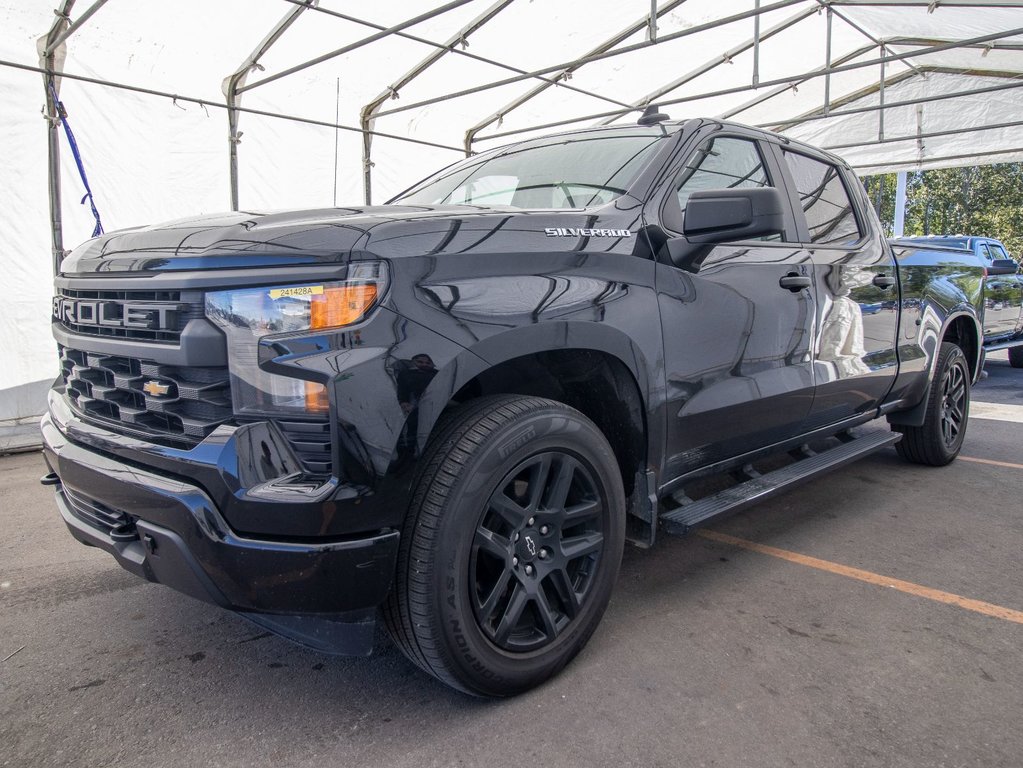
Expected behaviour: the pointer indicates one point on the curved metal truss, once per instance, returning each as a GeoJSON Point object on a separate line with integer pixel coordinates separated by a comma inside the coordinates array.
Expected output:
{"type": "Point", "coordinates": [877, 53]}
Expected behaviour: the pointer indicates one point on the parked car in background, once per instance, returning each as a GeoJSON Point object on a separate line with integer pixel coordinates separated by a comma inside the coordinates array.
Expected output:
{"type": "Point", "coordinates": [1003, 290]}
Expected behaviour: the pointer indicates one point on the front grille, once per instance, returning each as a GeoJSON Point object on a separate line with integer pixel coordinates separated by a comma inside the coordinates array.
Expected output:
{"type": "Point", "coordinates": [96, 514]}
{"type": "Point", "coordinates": [177, 308]}
{"type": "Point", "coordinates": [187, 402]}
{"type": "Point", "coordinates": [109, 389]}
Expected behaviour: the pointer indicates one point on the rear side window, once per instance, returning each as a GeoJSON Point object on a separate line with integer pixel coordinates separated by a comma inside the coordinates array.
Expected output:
{"type": "Point", "coordinates": [985, 252]}
{"type": "Point", "coordinates": [824, 199]}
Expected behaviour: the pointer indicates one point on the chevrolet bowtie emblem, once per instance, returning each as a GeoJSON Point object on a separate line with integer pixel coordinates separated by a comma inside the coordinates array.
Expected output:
{"type": "Point", "coordinates": [156, 388]}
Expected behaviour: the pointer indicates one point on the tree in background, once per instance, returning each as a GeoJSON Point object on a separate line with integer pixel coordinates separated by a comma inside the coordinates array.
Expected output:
{"type": "Point", "coordinates": [984, 200]}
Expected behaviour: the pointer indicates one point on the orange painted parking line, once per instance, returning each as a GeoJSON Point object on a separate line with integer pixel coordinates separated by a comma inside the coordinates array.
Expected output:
{"type": "Point", "coordinates": [978, 606]}
{"type": "Point", "coordinates": [992, 462]}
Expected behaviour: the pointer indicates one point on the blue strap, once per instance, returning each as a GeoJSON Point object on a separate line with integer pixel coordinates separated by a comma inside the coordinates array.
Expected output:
{"type": "Point", "coordinates": [98, 229]}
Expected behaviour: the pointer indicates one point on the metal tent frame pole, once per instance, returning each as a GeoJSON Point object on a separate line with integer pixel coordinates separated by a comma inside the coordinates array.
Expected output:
{"type": "Point", "coordinates": [50, 45]}
{"type": "Point", "coordinates": [804, 77]}
{"type": "Point", "coordinates": [73, 26]}
{"type": "Point", "coordinates": [887, 167]}
{"type": "Point", "coordinates": [458, 52]}
{"type": "Point", "coordinates": [357, 44]}
{"type": "Point", "coordinates": [576, 63]}
{"type": "Point", "coordinates": [368, 112]}
{"type": "Point", "coordinates": [648, 21]}
{"type": "Point", "coordinates": [920, 135]}
{"type": "Point", "coordinates": [222, 105]}
{"type": "Point", "coordinates": [819, 115]}
{"type": "Point", "coordinates": [722, 58]}
{"type": "Point", "coordinates": [236, 80]}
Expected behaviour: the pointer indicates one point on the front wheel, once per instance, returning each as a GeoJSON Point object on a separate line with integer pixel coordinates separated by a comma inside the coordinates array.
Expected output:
{"type": "Point", "coordinates": [1016, 357]}
{"type": "Point", "coordinates": [511, 547]}
{"type": "Point", "coordinates": [939, 439]}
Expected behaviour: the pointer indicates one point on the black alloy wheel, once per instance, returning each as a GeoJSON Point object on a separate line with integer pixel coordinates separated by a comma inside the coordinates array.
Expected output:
{"type": "Point", "coordinates": [511, 545]}
{"type": "Point", "coordinates": [953, 404]}
{"type": "Point", "coordinates": [939, 439]}
{"type": "Point", "coordinates": [536, 550]}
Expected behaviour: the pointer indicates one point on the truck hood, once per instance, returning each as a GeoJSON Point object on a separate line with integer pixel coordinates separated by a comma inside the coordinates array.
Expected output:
{"type": "Point", "coordinates": [273, 239]}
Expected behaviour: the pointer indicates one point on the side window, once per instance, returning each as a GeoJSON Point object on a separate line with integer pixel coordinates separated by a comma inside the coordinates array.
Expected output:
{"type": "Point", "coordinates": [985, 252]}
{"type": "Point", "coordinates": [825, 201]}
{"type": "Point", "coordinates": [722, 163]}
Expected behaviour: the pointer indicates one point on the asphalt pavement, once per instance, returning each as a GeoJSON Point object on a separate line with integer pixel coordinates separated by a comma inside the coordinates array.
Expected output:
{"type": "Point", "coordinates": [873, 617]}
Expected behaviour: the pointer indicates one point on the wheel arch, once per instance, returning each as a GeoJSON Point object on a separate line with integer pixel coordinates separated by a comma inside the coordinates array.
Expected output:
{"type": "Point", "coordinates": [593, 368]}
{"type": "Point", "coordinates": [961, 327]}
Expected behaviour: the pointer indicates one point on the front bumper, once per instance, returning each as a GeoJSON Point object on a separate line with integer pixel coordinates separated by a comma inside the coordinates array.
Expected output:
{"type": "Point", "coordinates": [169, 531]}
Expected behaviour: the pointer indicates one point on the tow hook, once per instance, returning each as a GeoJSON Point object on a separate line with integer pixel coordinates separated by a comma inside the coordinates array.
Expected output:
{"type": "Point", "coordinates": [124, 532]}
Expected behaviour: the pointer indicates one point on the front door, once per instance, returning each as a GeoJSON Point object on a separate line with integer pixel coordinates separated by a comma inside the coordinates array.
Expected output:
{"type": "Point", "coordinates": [737, 344]}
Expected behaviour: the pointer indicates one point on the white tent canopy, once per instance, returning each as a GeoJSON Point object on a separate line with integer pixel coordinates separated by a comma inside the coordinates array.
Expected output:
{"type": "Point", "coordinates": [148, 89]}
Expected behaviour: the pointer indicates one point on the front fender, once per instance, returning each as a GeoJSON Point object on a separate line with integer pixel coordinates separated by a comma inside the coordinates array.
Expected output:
{"type": "Point", "coordinates": [527, 340]}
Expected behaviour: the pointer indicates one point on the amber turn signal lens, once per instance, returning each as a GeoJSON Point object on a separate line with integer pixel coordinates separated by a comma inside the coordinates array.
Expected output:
{"type": "Point", "coordinates": [316, 398]}
{"type": "Point", "coordinates": [342, 305]}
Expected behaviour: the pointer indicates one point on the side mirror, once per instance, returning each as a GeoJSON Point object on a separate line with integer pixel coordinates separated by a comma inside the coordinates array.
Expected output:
{"type": "Point", "coordinates": [724, 215]}
{"type": "Point", "coordinates": [1002, 267]}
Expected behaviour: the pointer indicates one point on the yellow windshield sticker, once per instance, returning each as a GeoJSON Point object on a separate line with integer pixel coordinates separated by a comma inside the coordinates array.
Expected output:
{"type": "Point", "coordinates": [300, 290]}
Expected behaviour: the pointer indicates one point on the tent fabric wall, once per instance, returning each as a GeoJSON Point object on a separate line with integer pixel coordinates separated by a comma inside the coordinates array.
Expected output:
{"type": "Point", "coordinates": [150, 158]}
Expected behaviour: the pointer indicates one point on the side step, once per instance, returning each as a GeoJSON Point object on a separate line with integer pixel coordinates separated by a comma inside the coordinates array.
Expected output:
{"type": "Point", "coordinates": [680, 521]}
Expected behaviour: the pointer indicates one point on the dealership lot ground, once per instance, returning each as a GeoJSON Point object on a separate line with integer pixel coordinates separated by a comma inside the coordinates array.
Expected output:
{"type": "Point", "coordinates": [754, 645]}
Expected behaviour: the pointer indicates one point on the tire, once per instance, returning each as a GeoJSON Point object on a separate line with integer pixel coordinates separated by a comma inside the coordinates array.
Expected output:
{"type": "Point", "coordinates": [1016, 357]}
{"type": "Point", "coordinates": [938, 441]}
{"type": "Point", "coordinates": [517, 511]}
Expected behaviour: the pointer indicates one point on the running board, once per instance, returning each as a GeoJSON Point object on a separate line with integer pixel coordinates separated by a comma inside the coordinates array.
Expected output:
{"type": "Point", "coordinates": [695, 513]}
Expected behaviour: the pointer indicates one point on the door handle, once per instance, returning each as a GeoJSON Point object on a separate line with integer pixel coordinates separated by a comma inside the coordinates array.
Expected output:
{"type": "Point", "coordinates": [883, 281]}
{"type": "Point", "coordinates": [794, 282]}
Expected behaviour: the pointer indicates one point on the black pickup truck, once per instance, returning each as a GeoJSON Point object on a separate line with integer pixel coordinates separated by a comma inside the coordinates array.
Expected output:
{"type": "Point", "coordinates": [1003, 289]}
{"type": "Point", "coordinates": [455, 409]}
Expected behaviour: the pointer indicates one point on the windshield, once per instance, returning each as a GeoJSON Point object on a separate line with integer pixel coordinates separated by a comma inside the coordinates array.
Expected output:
{"type": "Point", "coordinates": [571, 171]}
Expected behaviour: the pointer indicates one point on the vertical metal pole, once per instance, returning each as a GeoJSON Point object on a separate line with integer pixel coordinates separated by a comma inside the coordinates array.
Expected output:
{"type": "Point", "coordinates": [233, 137]}
{"type": "Point", "coordinates": [234, 83]}
{"type": "Point", "coordinates": [898, 225]}
{"type": "Point", "coordinates": [53, 171]}
{"type": "Point", "coordinates": [756, 45]}
{"type": "Point", "coordinates": [337, 131]}
{"type": "Point", "coordinates": [827, 65]}
{"type": "Point", "coordinates": [880, 111]}
{"type": "Point", "coordinates": [49, 51]}
{"type": "Point", "coordinates": [652, 32]}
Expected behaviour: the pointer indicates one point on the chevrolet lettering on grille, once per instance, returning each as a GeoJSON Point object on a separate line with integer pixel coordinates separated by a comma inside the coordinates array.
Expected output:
{"type": "Point", "coordinates": [118, 314]}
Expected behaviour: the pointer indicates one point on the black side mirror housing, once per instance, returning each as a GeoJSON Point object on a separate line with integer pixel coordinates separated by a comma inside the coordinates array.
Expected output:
{"type": "Point", "coordinates": [723, 215]}
{"type": "Point", "coordinates": [1003, 267]}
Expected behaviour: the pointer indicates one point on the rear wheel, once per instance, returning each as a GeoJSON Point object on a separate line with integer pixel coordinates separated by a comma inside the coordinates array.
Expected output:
{"type": "Point", "coordinates": [938, 441]}
{"type": "Point", "coordinates": [1016, 357]}
{"type": "Point", "coordinates": [511, 546]}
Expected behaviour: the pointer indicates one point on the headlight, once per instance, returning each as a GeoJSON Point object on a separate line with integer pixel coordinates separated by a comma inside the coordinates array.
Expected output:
{"type": "Point", "coordinates": [250, 314]}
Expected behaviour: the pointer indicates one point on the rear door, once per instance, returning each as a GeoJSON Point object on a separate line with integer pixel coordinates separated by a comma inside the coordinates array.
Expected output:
{"type": "Point", "coordinates": [737, 345]}
{"type": "Point", "coordinates": [855, 362]}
